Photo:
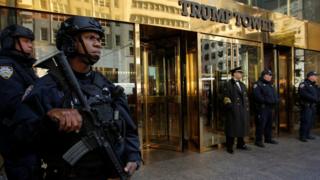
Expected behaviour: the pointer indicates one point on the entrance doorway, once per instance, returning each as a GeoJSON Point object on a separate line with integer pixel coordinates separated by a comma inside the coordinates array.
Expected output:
{"type": "Point", "coordinates": [284, 57]}
{"type": "Point", "coordinates": [218, 56]}
{"type": "Point", "coordinates": [162, 89]}
{"type": "Point", "coordinates": [279, 60]}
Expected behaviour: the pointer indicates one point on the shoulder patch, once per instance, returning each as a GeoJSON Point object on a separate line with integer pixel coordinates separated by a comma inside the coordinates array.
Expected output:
{"type": "Point", "coordinates": [6, 72]}
{"type": "Point", "coordinates": [255, 86]}
{"type": "Point", "coordinates": [27, 92]}
{"type": "Point", "coordinates": [302, 85]}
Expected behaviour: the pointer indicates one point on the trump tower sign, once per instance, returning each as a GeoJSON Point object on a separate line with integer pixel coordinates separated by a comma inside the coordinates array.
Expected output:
{"type": "Point", "coordinates": [211, 13]}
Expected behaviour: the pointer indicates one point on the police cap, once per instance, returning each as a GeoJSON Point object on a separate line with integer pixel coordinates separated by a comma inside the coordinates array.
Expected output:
{"type": "Point", "coordinates": [312, 73]}
{"type": "Point", "coordinates": [266, 72]}
{"type": "Point", "coordinates": [237, 69]}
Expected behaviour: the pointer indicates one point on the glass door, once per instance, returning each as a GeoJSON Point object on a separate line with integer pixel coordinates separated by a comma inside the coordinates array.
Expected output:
{"type": "Point", "coordinates": [162, 94]}
{"type": "Point", "coordinates": [284, 57]}
{"type": "Point", "coordinates": [218, 56]}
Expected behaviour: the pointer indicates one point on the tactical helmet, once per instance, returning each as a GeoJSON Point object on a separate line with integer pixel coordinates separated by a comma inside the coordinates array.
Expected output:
{"type": "Point", "coordinates": [65, 38]}
{"type": "Point", "coordinates": [11, 33]}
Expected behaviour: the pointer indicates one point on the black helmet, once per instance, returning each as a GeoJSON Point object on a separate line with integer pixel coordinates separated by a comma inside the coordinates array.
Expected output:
{"type": "Point", "coordinates": [9, 35]}
{"type": "Point", "coordinates": [65, 38]}
{"type": "Point", "coordinates": [266, 72]}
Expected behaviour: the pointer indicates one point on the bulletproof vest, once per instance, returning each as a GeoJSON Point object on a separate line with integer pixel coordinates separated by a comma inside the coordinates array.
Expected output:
{"type": "Point", "coordinates": [102, 105]}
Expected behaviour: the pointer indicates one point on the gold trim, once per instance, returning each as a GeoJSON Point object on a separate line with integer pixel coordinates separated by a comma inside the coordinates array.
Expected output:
{"type": "Point", "coordinates": [289, 31]}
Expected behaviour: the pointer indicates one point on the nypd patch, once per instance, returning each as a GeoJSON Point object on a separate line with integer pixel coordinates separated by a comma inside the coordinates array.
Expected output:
{"type": "Point", "coordinates": [301, 85]}
{"type": "Point", "coordinates": [255, 85]}
{"type": "Point", "coordinates": [6, 72]}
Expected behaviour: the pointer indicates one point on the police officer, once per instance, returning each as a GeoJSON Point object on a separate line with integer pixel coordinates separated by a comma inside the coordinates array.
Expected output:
{"type": "Point", "coordinates": [53, 124]}
{"type": "Point", "coordinates": [309, 97]}
{"type": "Point", "coordinates": [16, 75]}
{"type": "Point", "coordinates": [265, 99]}
{"type": "Point", "coordinates": [237, 104]}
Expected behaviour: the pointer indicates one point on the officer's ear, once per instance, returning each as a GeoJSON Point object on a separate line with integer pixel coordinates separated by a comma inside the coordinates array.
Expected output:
{"type": "Point", "coordinates": [16, 44]}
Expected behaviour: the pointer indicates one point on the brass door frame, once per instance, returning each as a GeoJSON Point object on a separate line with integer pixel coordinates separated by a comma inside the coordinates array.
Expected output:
{"type": "Point", "coordinates": [147, 99]}
{"type": "Point", "coordinates": [290, 84]}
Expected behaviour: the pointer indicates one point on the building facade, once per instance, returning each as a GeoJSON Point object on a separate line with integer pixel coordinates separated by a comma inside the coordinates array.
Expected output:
{"type": "Point", "coordinates": [173, 56]}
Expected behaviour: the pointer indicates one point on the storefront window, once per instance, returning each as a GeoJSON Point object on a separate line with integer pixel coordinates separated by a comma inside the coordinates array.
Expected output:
{"type": "Point", "coordinates": [297, 8]}
{"type": "Point", "coordinates": [117, 60]}
{"type": "Point", "coordinates": [305, 61]}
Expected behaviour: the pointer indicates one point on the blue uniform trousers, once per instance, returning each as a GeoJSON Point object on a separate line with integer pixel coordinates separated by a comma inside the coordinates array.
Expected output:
{"type": "Point", "coordinates": [306, 120]}
{"type": "Point", "coordinates": [264, 124]}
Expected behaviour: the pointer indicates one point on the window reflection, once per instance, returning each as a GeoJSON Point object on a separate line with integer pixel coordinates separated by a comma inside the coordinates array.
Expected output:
{"type": "Point", "coordinates": [117, 60]}
{"type": "Point", "coordinates": [297, 8]}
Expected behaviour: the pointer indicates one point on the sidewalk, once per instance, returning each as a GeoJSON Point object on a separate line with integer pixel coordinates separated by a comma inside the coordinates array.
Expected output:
{"type": "Point", "coordinates": [289, 160]}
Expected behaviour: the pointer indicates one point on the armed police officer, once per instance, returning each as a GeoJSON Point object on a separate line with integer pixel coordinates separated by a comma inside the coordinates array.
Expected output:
{"type": "Point", "coordinates": [265, 99]}
{"type": "Point", "coordinates": [237, 104]}
{"type": "Point", "coordinates": [55, 125]}
{"type": "Point", "coordinates": [16, 75]}
{"type": "Point", "coordinates": [309, 97]}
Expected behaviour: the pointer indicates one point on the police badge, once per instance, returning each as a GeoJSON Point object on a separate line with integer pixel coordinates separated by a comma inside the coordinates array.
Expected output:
{"type": "Point", "coordinates": [6, 72]}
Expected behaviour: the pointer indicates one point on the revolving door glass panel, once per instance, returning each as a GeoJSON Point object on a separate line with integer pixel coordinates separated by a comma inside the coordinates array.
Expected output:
{"type": "Point", "coordinates": [162, 94]}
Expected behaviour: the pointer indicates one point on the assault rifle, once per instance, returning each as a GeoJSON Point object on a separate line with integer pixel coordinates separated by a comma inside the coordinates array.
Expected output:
{"type": "Point", "coordinates": [94, 135]}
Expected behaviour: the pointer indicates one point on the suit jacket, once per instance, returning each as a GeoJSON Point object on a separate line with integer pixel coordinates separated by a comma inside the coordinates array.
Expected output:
{"type": "Point", "coordinates": [237, 109]}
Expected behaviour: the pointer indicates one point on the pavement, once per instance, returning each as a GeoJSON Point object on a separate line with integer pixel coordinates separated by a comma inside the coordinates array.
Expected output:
{"type": "Point", "coordinates": [291, 159]}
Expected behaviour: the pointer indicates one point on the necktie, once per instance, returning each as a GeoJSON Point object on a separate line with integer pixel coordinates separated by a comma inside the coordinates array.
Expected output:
{"type": "Point", "coordinates": [238, 84]}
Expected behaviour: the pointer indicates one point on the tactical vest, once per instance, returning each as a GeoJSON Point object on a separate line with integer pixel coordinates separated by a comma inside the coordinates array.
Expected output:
{"type": "Point", "coordinates": [103, 106]}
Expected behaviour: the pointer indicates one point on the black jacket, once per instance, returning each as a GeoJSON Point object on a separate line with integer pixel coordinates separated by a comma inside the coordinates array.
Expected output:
{"type": "Point", "coordinates": [16, 75]}
{"type": "Point", "coordinates": [43, 133]}
{"type": "Point", "coordinates": [237, 109]}
{"type": "Point", "coordinates": [264, 94]}
{"type": "Point", "coordinates": [308, 92]}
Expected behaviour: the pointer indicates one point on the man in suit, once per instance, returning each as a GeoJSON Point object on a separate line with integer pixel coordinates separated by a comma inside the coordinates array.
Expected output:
{"type": "Point", "coordinates": [237, 106]}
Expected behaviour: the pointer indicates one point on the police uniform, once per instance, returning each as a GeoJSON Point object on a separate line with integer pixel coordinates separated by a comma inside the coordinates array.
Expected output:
{"type": "Point", "coordinates": [237, 117]}
{"type": "Point", "coordinates": [51, 92]}
{"type": "Point", "coordinates": [309, 97]}
{"type": "Point", "coordinates": [48, 94]}
{"type": "Point", "coordinates": [16, 75]}
{"type": "Point", "coordinates": [265, 98]}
